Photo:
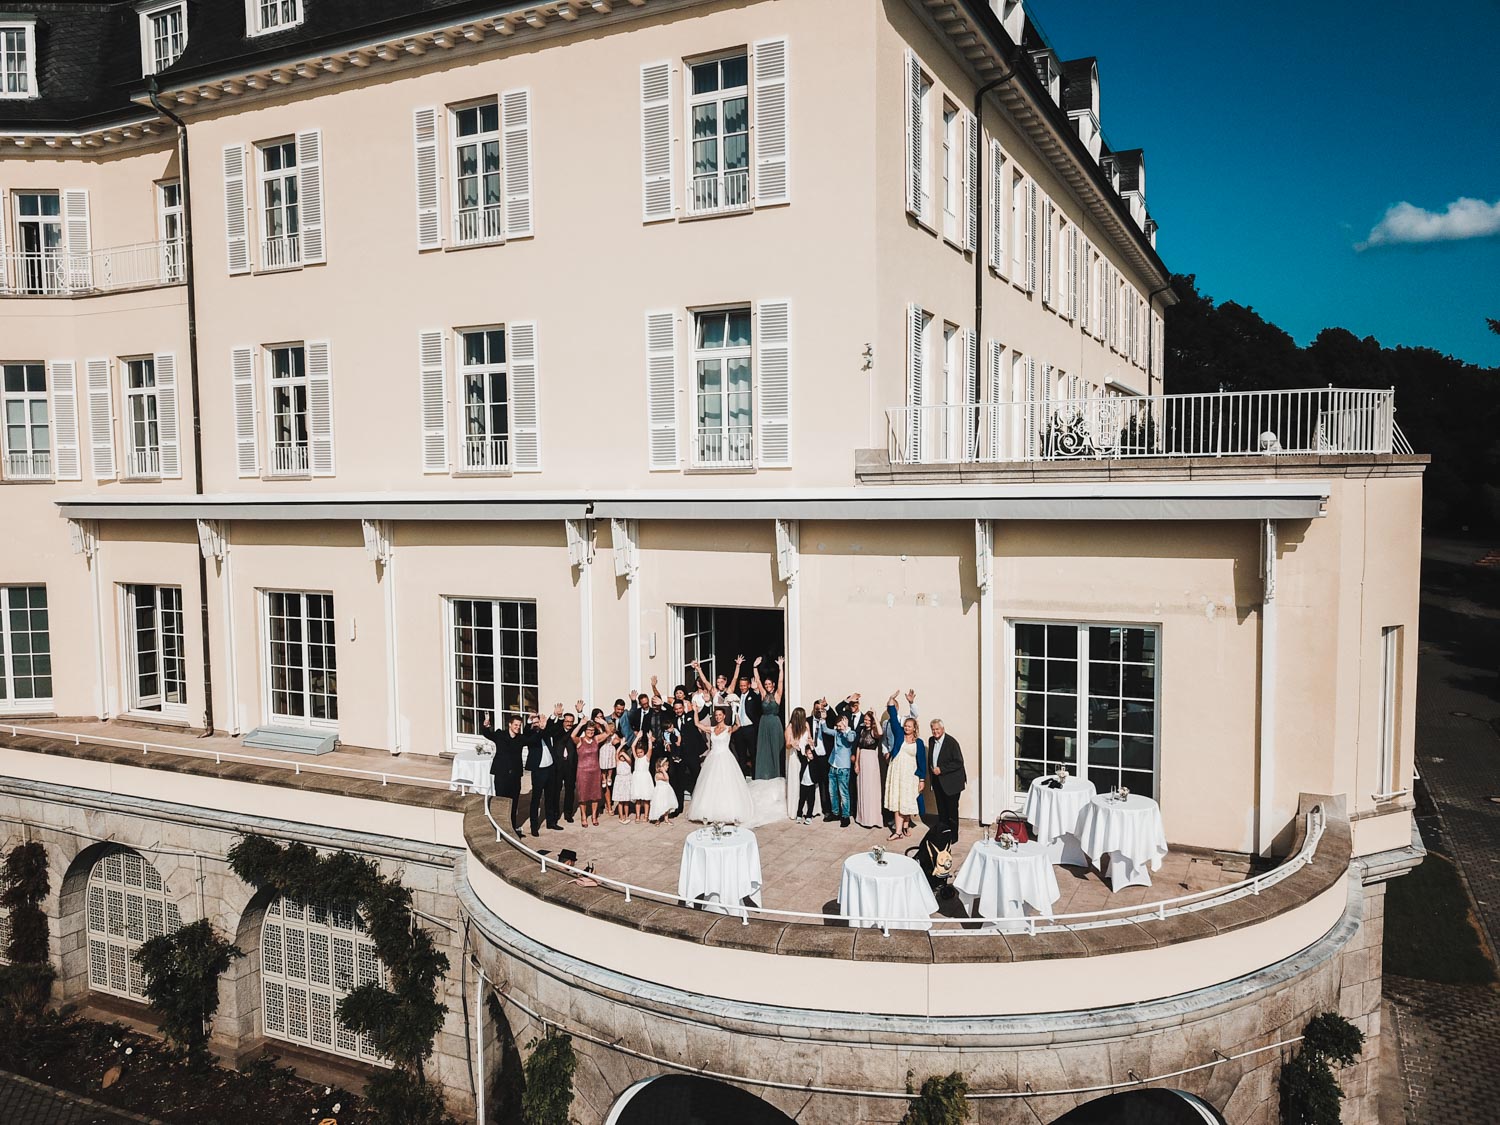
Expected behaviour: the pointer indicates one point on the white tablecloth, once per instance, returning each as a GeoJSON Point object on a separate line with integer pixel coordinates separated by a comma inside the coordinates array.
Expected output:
{"type": "Point", "coordinates": [1004, 883]}
{"type": "Point", "coordinates": [1123, 837]}
{"type": "Point", "coordinates": [726, 869]}
{"type": "Point", "coordinates": [1054, 813]}
{"type": "Point", "coordinates": [471, 769]}
{"type": "Point", "coordinates": [886, 895]}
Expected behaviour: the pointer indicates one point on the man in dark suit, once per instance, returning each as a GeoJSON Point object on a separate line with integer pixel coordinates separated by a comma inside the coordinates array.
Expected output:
{"type": "Point", "coordinates": [546, 778]}
{"type": "Point", "coordinates": [510, 756]}
{"type": "Point", "coordinates": [687, 751]}
{"type": "Point", "coordinates": [565, 756]}
{"type": "Point", "coordinates": [946, 762]}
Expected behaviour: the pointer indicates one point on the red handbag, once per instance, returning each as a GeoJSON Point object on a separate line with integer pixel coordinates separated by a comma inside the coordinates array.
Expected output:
{"type": "Point", "coordinates": [1014, 823]}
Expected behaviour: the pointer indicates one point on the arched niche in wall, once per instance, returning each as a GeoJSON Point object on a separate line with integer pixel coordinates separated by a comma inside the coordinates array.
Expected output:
{"type": "Point", "coordinates": [1144, 1107]}
{"type": "Point", "coordinates": [686, 1099]}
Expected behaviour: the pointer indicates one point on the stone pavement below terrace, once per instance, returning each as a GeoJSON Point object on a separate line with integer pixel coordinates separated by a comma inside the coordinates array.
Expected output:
{"type": "Point", "coordinates": [23, 1102]}
{"type": "Point", "coordinates": [1450, 1050]}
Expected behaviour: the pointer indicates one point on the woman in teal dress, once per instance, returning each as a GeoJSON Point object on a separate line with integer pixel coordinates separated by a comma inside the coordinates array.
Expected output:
{"type": "Point", "coordinates": [770, 739]}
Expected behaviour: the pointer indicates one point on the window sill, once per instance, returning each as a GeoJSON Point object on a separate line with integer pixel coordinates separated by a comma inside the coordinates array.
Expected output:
{"type": "Point", "coordinates": [718, 470]}
{"type": "Point", "coordinates": [290, 267]}
{"type": "Point", "coordinates": [476, 244]}
{"type": "Point", "coordinates": [506, 472]}
{"type": "Point", "coordinates": [725, 213]}
{"type": "Point", "coordinates": [28, 480]}
{"type": "Point", "coordinates": [142, 478]}
{"type": "Point", "coordinates": [286, 476]}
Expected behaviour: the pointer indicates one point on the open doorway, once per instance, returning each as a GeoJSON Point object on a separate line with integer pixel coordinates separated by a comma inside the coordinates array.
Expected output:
{"type": "Point", "coordinates": [715, 635]}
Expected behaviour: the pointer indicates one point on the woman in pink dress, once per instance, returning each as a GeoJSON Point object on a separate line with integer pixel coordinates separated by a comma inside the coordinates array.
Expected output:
{"type": "Point", "coordinates": [589, 786]}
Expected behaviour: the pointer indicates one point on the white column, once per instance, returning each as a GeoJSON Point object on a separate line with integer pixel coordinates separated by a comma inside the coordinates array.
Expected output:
{"type": "Point", "coordinates": [628, 565]}
{"type": "Point", "coordinates": [788, 568]}
{"type": "Point", "coordinates": [84, 534]}
{"type": "Point", "coordinates": [991, 802]}
{"type": "Point", "coordinates": [581, 554]}
{"type": "Point", "coordinates": [1265, 814]}
{"type": "Point", "coordinates": [213, 542]}
{"type": "Point", "coordinates": [380, 549]}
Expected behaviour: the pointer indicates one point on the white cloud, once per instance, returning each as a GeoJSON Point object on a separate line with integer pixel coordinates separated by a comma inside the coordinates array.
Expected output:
{"type": "Point", "coordinates": [1463, 218]}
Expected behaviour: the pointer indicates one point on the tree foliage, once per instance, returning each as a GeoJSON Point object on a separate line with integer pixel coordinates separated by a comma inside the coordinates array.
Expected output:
{"type": "Point", "coordinates": [548, 1095]}
{"type": "Point", "coordinates": [26, 982]}
{"type": "Point", "coordinates": [1310, 1095]}
{"type": "Point", "coordinates": [182, 971]}
{"type": "Point", "coordinates": [943, 1100]}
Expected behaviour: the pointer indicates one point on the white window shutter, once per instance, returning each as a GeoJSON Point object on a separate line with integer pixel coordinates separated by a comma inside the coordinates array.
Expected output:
{"type": "Point", "coordinates": [4, 267]}
{"type": "Point", "coordinates": [1033, 411]}
{"type": "Point", "coordinates": [62, 376]}
{"type": "Point", "coordinates": [166, 414]}
{"type": "Point", "coordinates": [75, 210]}
{"type": "Point", "coordinates": [1030, 236]}
{"type": "Point", "coordinates": [237, 208]}
{"type": "Point", "coordinates": [772, 126]}
{"type": "Point", "coordinates": [320, 408]}
{"type": "Point", "coordinates": [661, 388]}
{"type": "Point", "coordinates": [515, 123]}
{"type": "Point", "coordinates": [429, 206]}
{"type": "Point", "coordinates": [997, 208]}
{"type": "Point", "coordinates": [101, 418]}
{"type": "Point", "coordinates": [247, 452]}
{"type": "Point", "coordinates": [971, 182]}
{"type": "Point", "coordinates": [971, 394]}
{"type": "Point", "coordinates": [310, 195]}
{"type": "Point", "coordinates": [434, 383]}
{"type": "Point", "coordinates": [658, 185]}
{"type": "Point", "coordinates": [913, 97]}
{"type": "Point", "coordinates": [914, 383]}
{"type": "Point", "coordinates": [1049, 297]}
{"type": "Point", "coordinates": [773, 377]}
{"type": "Point", "coordinates": [1070, 289]}
{"type": "Point", "coordinates": [995, 353]}
{"type": "Point", "coordinates": [525, 411]}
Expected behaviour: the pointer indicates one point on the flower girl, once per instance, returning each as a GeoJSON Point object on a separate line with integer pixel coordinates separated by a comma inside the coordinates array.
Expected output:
{"type": "Point", "coordinates": [663, 798]}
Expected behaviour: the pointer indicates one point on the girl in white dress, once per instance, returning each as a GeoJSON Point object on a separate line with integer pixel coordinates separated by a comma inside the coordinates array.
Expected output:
{"type": "Point", "coordinates": [720, 796]}
{"type": "Point", "coordinates": [621, 790]}
{"type": "Point", "coordinates": [798, 742]}
{"type": "Point", "coordinates": [641, 785]}
{"type": "Point", "coordinates": [663, 798]}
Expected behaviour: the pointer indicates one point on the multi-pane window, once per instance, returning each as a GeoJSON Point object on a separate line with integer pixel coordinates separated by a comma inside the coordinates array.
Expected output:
{"type": "Point", "coordinates": [280, 218]}
{"type": "Point", "coordinates": [39, 242]}
{"type": "Point", "coordinates": [1018, 228]}
{"type": "Point", "coordinates": [142, 431]}
{"type": "Point", "coordinates": [25, 649]}
{"type": "Point", "coordinates": [720, 109]}
{"type": "Point", "coordinates": [163, 35]}
{"type": "Point", "coordinates": [953, 154]}
{"type": "Point", "coordinates": [126, 905]}
{"type": "Point", "coordinates": [1390, 691]}
{"type": "Point", "coordinates": [301, 659]}
{"type": "Point", "coordinates": [486, 399]}
{"type": "Point", "coordinates": [288, 389]}
{"type": "Point", "coordinates": [1086, 698]}
{"type": "Point", "coordinates": [698, 641]}
{"type": "Point", "coordinates": [274, 15]}
{"type": "Point", "coordinates": [494, 665]}
{"type": "Point", "coordinates": [722, 390]}
{"type": "Point", "coordinates": [17, 62]}
{"type": "Point", "coordinates": [311, 957]}
{"type": "Point", "coordinates": [169, 224]}
{"type": "Point", "coordinates": [476, 172]}
{"type": "Point", "coordinates": [158, 667]}
{"type": "Point", "coordinates": [28, 427]}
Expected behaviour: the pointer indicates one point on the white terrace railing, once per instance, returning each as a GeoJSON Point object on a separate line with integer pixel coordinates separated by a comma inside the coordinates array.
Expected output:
{"type": "Point", "coordinates": [1111, 427]}
{"type": "Point", "coordinates": [56, 273]}
{"type": "Point", "coordinates": [957, 927]}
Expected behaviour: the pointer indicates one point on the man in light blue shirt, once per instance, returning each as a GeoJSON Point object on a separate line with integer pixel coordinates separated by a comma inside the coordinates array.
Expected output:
{"type": "Point", "coordinates": [838, 768]}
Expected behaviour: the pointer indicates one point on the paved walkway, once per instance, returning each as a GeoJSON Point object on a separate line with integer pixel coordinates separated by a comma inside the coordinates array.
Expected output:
{"type": "Point", "coordinates": [24, 1102]}
{"type": "Point", "coordinates": [1450, 1034]}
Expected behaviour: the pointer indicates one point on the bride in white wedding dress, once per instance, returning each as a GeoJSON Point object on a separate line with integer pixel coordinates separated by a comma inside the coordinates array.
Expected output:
{"type": "Point", "coordinates": [720, 795]}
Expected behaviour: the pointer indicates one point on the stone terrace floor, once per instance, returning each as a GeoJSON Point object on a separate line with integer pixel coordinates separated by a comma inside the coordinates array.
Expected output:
{"type": "Point", "coordinates": [800, 863]}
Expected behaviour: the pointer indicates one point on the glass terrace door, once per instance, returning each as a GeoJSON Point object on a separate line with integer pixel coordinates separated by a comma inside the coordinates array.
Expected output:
{"type": "Point", "coordinates": [158, 670]}
{"type": "Point", "coordinates": [301, 658]}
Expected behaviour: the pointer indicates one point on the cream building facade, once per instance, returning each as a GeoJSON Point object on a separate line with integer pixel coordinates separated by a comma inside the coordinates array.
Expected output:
{"type": "Point", "coordinates": [368, 373]}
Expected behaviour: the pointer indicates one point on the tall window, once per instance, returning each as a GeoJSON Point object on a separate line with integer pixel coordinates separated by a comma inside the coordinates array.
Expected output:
{"type": "Point", "coordinates": [486, 401]}
{"type": "Point", "coordinates": [17, 62]}
{"type": "Point", "coordinates": [169, 226]}
{"type": "Point", "coordinates": [288, 388]}
{"type": "Point", "coordinates": [720, 108]}
{"type": "Point", "coordinates": [158, 668]}
{"type": "Point", "coordinates": [39, 242]}
{"type": "Point", "coordinates": [1085, 698]}
{"type": "Point", "coordinates": [1018, 229]}
{"type": "Point", "coordinates": [280, 222]}
{"type": "Point", "coordinates": [924, 146]}
{"type": "Point", "coordinates": [698, 641]}
{"type": "Point", "coordinates": [141, 405]}
{"type": "Point", "coordinates": [1390, 692]}
{"type": "Point", "coordinates": [25, 649]}
{"type": "Point", "coordinates": [301, 657]}
{"type": "Point", "coordinates": [476, 172]}
{"type": "Point", "coordinates": [494, 662]}
{"type": "Point", "coordinates": [127, 904]}
{"type": "Point", "coordinates": [721, 363]}
{"type": "Point", "coordinates": [953, 154]}
{"type": "Point", "coordinates": [28, 429]}
{"type": "Point", "coordinates": [163, 35]}
{"type": "Point", "coordinates": [274, 15]}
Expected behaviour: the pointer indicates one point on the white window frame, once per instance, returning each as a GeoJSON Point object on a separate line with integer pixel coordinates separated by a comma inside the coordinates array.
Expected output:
{"type": "Point", "coordinates": [926, 206]}
{"type": "Point", "coordinates": [490, 453]}
{"type": "Point", "coordinates": [30, 463]}
{"type": "Point", "coordinates": [736, 444]}
{"type": "Point", "coordinates": [484, 224]}
{"type": "Point", "coordinates": [152, 59]}
{"type": "Point", "coordinates": [126, 903]}
{"type": "Point", "coordinates": [45, 268]}
{"type": "Point", "coordinates": [169, 230]}
{"type": "Point", "coordinates": [20, 72]}
{"type": "Point", "coordinates": [282, 251]}
{"type": "Point", "coordinates": [1018, 228]}
{"type": "Point", "coordinates": [731, 189]}
{"type": "Point", "coordinates": [293, 457]}
{"type": "Point", "coordinates": [142, 459]}
{"type": "Point", "coordinates": [9, 703]}
{"type": "Point", "coordinates": [457, 738]}
{"type": "Point", "coordinates": [1389, 702]}
{"type": "Point", "coordinates": [284, 14]}
{"type": "Point", "coordinates": [952, 172]}
{"type": "Point", "coordinates": [307, 719]}
{"type": "Point", "coordinates": [1081, 764]}
{"type": "Point", "coordinates": [166, 618]}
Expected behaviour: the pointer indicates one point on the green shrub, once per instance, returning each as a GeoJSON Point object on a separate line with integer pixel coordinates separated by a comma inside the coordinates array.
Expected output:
{"type": "Point", "coordinates": [548, 1095]}
{"type": "Point", "coordinates": [26, 983]}
{"type": "Point", "coordinates": [400, 1097]}
{"type": "Point", "coordinates": [943, 1100]}
{"type": "Point", "coordinates": [182, 971]}
{"type": "Point", "coordinates": [1310, 1095]}
{"type": "Point", "coordinates": [25, 989]}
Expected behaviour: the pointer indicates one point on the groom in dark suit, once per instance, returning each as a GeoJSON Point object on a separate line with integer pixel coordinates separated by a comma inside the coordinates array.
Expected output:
{"type": "Point", "coordinates": [947, 782]}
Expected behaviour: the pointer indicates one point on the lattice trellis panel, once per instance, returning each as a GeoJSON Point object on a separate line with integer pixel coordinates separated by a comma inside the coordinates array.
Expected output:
{"type": "Point", "coordinates": [126, 904]}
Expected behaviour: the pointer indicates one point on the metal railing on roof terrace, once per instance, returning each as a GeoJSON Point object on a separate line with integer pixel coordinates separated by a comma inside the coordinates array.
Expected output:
{"type": "Point", "coordinates": [1113, 427]}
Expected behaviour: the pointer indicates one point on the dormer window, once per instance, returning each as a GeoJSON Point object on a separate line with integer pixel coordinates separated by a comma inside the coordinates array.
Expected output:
{"type": "Point", "coordinates": [18, 59]}
{"type": "Point", "coordinates": [163, 35]}
{"type": "Point", "coordinates": [273, 15]}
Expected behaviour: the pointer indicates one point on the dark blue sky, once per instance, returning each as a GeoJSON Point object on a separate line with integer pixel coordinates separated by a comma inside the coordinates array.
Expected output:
{"type": "Point", "coordinates": [1279, 134]}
